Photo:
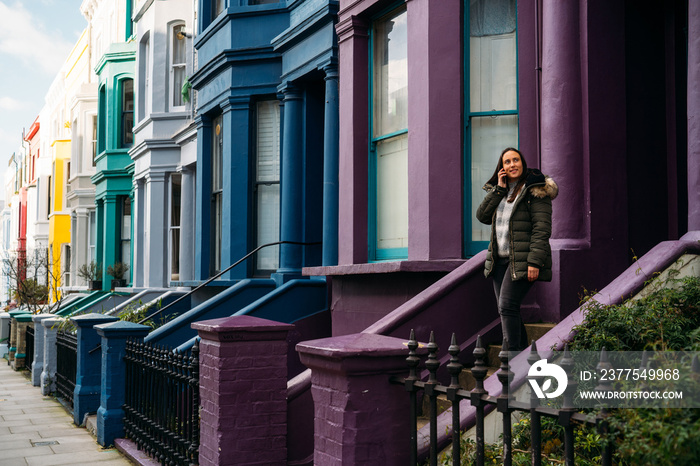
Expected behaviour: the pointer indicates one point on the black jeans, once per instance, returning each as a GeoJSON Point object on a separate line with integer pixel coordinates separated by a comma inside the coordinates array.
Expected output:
{"type": "Point", "coordinates": [509, 296]}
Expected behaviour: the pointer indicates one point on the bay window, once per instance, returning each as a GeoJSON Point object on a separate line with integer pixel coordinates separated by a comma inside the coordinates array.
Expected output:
{"type": "Point", "coordinates": [388, 235]}
{"type": "Point", "coordinates": [491, 102]}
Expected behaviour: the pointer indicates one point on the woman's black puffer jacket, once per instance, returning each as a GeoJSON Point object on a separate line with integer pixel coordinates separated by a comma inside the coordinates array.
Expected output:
{"type": "Point", "coordinates": [530, 225]}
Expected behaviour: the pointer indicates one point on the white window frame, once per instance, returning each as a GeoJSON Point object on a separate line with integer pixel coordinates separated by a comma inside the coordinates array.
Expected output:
{"type": "Point", "coordinates": [174, 249]}
{"type": "Point", "coordinates": [175, 99]}
{"type": "Point", "coordinates": [267, 177]}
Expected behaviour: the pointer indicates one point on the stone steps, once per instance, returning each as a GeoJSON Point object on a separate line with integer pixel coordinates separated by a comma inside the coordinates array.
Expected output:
{"type": "Point", "coordinates": [466, 379]}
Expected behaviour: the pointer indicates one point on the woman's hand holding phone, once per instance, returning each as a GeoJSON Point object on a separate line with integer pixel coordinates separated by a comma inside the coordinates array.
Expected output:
{"type": "Point", "coordinates": [502, 178]}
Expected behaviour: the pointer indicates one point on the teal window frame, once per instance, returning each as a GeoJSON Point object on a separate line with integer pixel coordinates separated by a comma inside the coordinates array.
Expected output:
{"type": "Point", "coordinates": [101, 121]}
{"type": "Point", "coordinates": [129, 26]}
{"type": "Point", "coordinates": [123, 144]}
{"type": "Point", "coordinates": [473, 247]}
{"type": "Point", "coordinates": [376, 254]}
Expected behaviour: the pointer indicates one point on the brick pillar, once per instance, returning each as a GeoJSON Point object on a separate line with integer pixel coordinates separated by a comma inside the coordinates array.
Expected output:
{"type": "Point", "coordinates": [110, 415]}
{"type": "Point", "coordinates": [22, 321]}
{"type": "Point", "coordinates": [4, 333]}
{"type": "Point", "coordinates": [88, 378]}
{"type": "Point", "coordinates": [360, 418]}
{"type": "Point", "coordinates": [243, 391]}
{"type": "Point", "coordinates": [48, 374]}
{"type": "Point", "coordinates": [13, 335]}
{"type": "Point", "coordinates": [38, 365]}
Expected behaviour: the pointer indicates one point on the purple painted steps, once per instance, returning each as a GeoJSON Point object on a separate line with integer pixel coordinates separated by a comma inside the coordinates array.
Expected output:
{"type": "Point", "coordinates": [627, 284]}
{"type": "Point", "coordinates": [467, 381]}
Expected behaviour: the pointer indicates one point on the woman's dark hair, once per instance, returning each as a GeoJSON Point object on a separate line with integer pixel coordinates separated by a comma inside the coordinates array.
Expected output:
{"type": "Point", "coordinates": [521, 181]}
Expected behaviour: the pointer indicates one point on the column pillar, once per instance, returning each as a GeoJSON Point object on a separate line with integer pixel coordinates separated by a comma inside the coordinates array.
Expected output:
{"type": "Point", "coordinates": [693, 171]}
{"type": "Point", "coordinates": [38, 364]}
{"type": "Point", "coordinates": [79, 245]}
{"type": "Point", "coordinates": [48, 374]}
{"type": "Point", "coordinates": [86, 396]}
{"type": "Point", "coordinates": [330, 167]}
{"type": "Point", "coordinates": [110, 415]}
{"type": "Point", "coordinates": [292, 176]}
{"type": "Point", "coordinates": [187, 221]}
{"type": "Point", "coordinates": [22, 321]}
{"type": "Point", "coordinates": [353, 49]}
{"type": "Point", "coordinates": [203, 236]}
{"type": "Point", "coordinates": [99, 237]}
{"type": "Point", "coordinates": [562, 120]}
{"type": "Point", "coordinates": [4, 333]}
{"type": "Point", "coordinates": [138, 220]}
{"type": "Point", "coordinates": [155, 228]}
{"type": "Point", "coordinates": [12, 348]}
{"type": "Point", "coordinates": [360, 418]}
{"type": "Point", "coordinates": [243, 391]}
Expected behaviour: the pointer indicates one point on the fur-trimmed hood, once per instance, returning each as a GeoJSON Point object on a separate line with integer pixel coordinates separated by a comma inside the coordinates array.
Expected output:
{"type": "Point", "coordinates": [541, 185]}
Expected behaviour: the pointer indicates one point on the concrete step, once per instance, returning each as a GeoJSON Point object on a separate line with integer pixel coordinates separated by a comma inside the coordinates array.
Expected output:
{"type": "Point", "coordinates": [467, 380]}
{"type": "Point", "coordinates": [534, 332]}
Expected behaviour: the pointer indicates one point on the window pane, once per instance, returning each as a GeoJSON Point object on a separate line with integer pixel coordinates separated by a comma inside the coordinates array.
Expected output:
{"type": "Point", "coordinates": [392, 192]}
{"type": "Point", "coordinates": [268, 143]}
{"type": "Point", "coordinates": [176, 183]}
{"type": "Point", "coordinates": [178, 45]}
{"type": "Point", "coordinates": [178, 81]}
{"type": "Point", "coordinates": [268, 225]}
{"type": "Point", "coordinates": [492, 56]}
{"type": "Point", "coordinates": [216, 247]}
{"type": "Point", "coordinates": [175, 254]}
{"type": "Point", "coordinates": [127, 112]}
{"type": "Point", "coordinates": [94, 139]}
{"type": "Point", "coordinates": [490, 135]}
{"type": "Point", "coordinates": [126, 219]}
{"type": "Point", "coordinates": [126, 256]}
{"type": "Point", "coordinates": [217, 7]}
{"type": "Point", "coordinates": [268, 178]}
{"type": "Point", "coordinates": [390, 75]}
{"type": "Point", "coordinates": [217, 154]}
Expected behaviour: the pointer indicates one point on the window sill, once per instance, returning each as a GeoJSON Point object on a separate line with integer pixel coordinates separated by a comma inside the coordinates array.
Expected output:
{"type": "Point", "coordinates": [385, 267]}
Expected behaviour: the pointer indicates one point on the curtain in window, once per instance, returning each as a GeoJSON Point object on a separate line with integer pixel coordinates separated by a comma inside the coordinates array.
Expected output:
{"type": "Point", "coordinates": [492, 89]}
{"type": "Point", "coordinates": [267, 183]}
{"type": "Point", "coordinates": [390, 131]}
{"type": "Point", "coordinates": [491, 17]}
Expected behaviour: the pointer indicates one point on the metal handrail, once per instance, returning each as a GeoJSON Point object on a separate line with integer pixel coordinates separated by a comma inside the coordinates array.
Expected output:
{"type": "Point", "coordinates": [211, 279]}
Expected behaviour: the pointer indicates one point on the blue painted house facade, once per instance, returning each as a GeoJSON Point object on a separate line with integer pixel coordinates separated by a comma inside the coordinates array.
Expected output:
{"type": "Point", "coordinates": [266, 89]}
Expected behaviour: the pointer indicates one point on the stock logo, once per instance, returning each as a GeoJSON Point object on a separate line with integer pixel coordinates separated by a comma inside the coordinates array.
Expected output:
{"type": "Point", "coordinates": [543, 369]}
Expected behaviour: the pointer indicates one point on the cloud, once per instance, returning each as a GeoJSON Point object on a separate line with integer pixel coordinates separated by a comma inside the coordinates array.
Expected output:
{"type": "Point", "coordinates": [8, 103]}
{"type": "Point", "coordinates": [27, 39]}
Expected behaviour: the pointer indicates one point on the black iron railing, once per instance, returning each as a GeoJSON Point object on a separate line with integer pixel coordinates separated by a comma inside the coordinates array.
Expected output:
{"type": "Point", "coordinates": [211, 279]}
{"type": "Point", "coordinates": [162, 402]}
{"type": "Point", "coordinates": [29, 348]}
{"type": "Point", "coordinates": [66, 365]}
{"type": "Point", "coordinates": [480, 399]}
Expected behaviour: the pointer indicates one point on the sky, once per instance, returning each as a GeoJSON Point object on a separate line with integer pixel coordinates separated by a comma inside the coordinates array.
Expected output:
{"type": "Point", "coordinates": [37, 36]}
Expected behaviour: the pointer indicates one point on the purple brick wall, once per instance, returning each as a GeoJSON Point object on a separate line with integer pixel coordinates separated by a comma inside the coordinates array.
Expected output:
{"type": "Point", "coordinates": [243, 391]}
{"type": "Point", "coordinates": [360, 418]}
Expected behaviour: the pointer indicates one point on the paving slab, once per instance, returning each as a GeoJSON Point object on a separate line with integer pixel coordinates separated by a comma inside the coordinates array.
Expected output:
{"type": "Point", "coordinates": [36, 430]}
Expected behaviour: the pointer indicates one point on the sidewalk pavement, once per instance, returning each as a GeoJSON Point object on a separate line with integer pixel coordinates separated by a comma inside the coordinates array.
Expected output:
{"type": "Point", "coordinates": [35, 430]}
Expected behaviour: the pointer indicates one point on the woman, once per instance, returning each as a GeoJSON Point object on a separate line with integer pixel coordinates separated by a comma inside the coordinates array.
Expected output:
{"type": "Point", "coordinates": [518, 207]}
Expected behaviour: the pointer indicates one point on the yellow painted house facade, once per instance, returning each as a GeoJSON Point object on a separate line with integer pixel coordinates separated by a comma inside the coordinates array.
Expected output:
{"type": "Point", "coordinates": [65, 90]}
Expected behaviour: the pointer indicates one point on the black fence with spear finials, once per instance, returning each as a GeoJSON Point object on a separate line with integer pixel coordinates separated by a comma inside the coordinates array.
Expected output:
{"type": "Point", "coordinates": [566, 416]}
{"type": "Point", "coordinates": [66, 365]}
{"type": "Point", "coordinates": [162, 402]}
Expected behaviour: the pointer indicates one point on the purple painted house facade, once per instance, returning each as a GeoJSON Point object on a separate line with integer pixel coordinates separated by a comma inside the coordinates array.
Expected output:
{"type": "Point", "coordinates": [593, 92]}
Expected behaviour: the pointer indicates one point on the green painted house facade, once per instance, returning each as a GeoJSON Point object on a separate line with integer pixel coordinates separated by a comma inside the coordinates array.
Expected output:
{"type": "Point", "coordinates": [113, 180]}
